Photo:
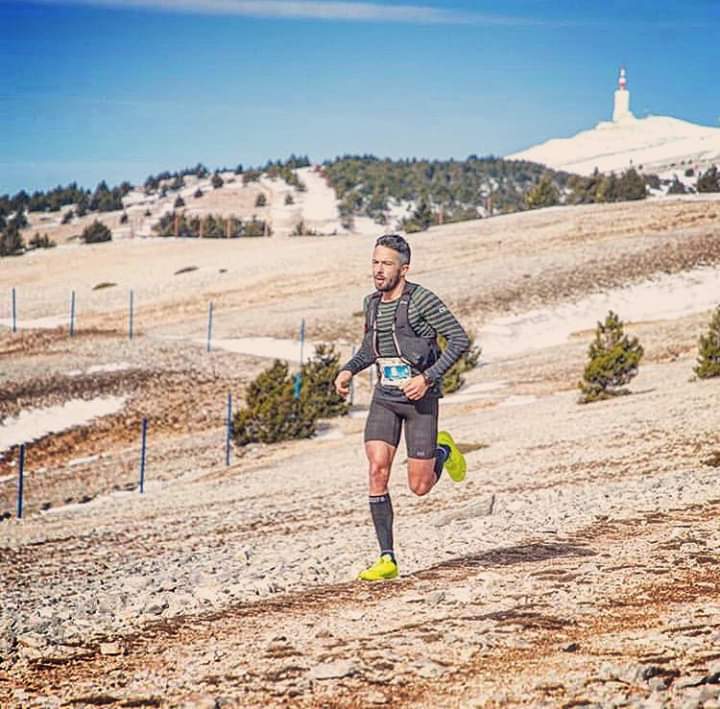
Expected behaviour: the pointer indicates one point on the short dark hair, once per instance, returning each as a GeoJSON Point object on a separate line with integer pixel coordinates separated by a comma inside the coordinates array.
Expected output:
{"type": "Point", "coordinates": [396, 243]}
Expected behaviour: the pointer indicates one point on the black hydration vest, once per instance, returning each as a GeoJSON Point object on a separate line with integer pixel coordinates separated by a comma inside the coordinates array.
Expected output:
{"type": "Point", "coordinates": [417, 351]}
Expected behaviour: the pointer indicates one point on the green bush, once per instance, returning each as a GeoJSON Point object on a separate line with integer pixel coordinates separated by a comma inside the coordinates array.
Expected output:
{"type": "Point", "coordinates": [67, 217]}
{"type": "Point", "coordinates": [198, 193]}
{"type": "Point", "coordinates": [317, 394]}
{"type": "Point", "coordinates": [96, 233]}
{"type": "Point", "coordinates": [271, 412]}
{"type": "Point", "coordinates": [709, 350]}
{"type": "Point", "coordinates": [453, 379]}
{"type": "Point", "coordinates": [543, 194]}
{"type": "Point", "coordinates": [613, 361]}
{"type": "Point", "coordinates": [41, 242]}
{"type": "Point", "coordinates": [302, 229]}
{"type": "Point", "coordinates": [289, 199]}
{"type": "Point", "coordinates": [709, 181]}
{"type": "Point", "coordinates": [261, 200]}
{"type": "Point", "coordinates": [179, 202]}
{"type": "Point", "coordinates": [217, 181]}
{"type": "Point", "coordinates": [11, 241]}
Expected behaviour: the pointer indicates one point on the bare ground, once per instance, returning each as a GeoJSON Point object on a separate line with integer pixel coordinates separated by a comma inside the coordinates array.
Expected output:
{"type": "Point", "coordinates": [576, 565]}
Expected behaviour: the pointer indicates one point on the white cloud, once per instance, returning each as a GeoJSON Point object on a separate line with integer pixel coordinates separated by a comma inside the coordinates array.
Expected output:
{"type": "Point", "coordinates": [306, 9]}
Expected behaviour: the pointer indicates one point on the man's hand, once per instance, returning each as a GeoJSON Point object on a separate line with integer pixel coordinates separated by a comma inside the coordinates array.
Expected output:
{"type": "Point", "coordinates": [342, 383]}
{"type": "Point", "coordinates": [416, 387]}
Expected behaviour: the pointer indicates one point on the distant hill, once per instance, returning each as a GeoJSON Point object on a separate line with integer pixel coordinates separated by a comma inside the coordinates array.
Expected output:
{"type": "Point", "coordinates": [658, 144]}
{"type": "Point", "coordinates": [383, 189]}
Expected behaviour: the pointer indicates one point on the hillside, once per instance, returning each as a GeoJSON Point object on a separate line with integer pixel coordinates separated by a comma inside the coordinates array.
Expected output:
{"type": "Point", "coordinates": [657, 144]}
{"type": "Point", "coordinates": [580, 552]}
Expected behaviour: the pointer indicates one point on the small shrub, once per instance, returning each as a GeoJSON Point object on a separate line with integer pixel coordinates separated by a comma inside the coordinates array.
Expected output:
{"type": "Point", "coordinates": [301, 229]}
{"type": "Point", "coordinates": [41, 242]}
{"type": "Point", "coordinates": [179, 202]}
{"type": "Point", "coordinates": [217, 181]}
{"type": "Point", "coordinates": [261, 200]}
{"type": "Point", "coordinates": [453, 379]}
{"type": "Point", "coordinates": [67, 217]}
{"type": "Point", "coordinates": [124, 218]}
{"type": "Point", "coordinates": [271, 412]}
{"type": "Point", "coordinates": [709, 181]}
{"type": "Point", "coordinates": [708, 361]}
{"type": "Point", "coordinates": [289, 199]}
{"type": "Point", "coordinates": [11, 241]}
{"type": "Point", "coordinates": [198, 193]}
{"type": "Point", "coordinates": [613, 361]}
{"type": "Point", "coordinates": [96, 233]}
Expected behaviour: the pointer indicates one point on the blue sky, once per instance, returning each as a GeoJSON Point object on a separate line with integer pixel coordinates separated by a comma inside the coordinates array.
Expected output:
{"type": "Point", "coordinates": [119, 89]}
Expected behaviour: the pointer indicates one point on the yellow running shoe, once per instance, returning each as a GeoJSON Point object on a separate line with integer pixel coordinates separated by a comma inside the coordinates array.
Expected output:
{"type": "Point", "coordinates": [455, 463]}
{"type": "Point", "coordinates": [382, 570]}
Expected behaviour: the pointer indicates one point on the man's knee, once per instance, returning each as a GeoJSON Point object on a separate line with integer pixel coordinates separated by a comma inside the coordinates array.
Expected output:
{"type": "Point", "coordinates": [420, 487]}
{"type": "Point", "coordinates": [379, 471]}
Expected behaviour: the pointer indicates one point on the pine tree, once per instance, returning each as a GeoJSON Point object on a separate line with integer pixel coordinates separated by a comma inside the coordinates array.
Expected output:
{"type": "Point", "coordinates": [96, 233]}
{"type": "Point", "coordinates": [543, 194]}
{"type": "Point", "coordinates": [318, 395]}
{"type": "Point", "coordinates": [271, 412]}
{"type": "Point", "coordinates": [613, 361]}
{"type": "Point", "coordinates": [453, 379]}
{"type": "Point", "coordinates": [217, 181]}
{"type": "Point", "coordinates": [709, 181]}
{"type": "Point", "coordinates": [709, 350]}
{"type": "Point", "coordinates": [11, 241]}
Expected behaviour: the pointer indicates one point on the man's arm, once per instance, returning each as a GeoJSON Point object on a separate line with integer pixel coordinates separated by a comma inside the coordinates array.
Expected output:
{"type": "Point", "coordinates": [439, 317]}
{"type": "Point", "coordinates": [364, 357]}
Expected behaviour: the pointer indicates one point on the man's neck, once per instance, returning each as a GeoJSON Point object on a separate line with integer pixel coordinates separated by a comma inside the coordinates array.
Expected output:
{"type": "Point", "coordinates": [395, 293]}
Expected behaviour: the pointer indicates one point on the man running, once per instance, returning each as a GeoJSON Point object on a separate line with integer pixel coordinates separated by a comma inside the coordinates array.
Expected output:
{"type": "Point", "coordinates": [402, 324]}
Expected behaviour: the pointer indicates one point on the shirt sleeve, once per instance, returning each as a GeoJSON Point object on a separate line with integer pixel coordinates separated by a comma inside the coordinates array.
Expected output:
{"type": "Point", "coordinates": [438, 316]}
{"type": "Point", "coordinates": [364, 357]}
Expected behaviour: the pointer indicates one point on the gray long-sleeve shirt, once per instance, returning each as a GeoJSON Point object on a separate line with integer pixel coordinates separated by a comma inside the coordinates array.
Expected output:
{"type": "Point", "coordinates": [428, 316]}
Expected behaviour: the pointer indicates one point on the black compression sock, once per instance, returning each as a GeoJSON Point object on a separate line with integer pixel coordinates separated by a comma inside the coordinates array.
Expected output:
{"type": "Point", "coordinates": [442, 453]}
{"type": "Point", "coordinates": [382, 516]}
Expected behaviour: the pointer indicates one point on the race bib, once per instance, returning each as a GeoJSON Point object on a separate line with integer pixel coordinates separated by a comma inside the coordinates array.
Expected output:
{"type": "Point", "coordinates": [393, 371]}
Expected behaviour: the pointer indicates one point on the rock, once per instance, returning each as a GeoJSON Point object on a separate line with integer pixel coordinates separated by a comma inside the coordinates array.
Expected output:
{"type": "Point", "coordinates": [435, 597]}
{"type": "Point", "coordinates": [156, 606]}
{"type": "Point", "coordinates": [34, 641]}
{"type": "Point", "coordinates": [375, 698]}
{"type": "Point", "coordinates": [333, 670]}
{"type": "Point", "coordinates": [209, 593]}
{"type": "Point", "coordinates": [111, 648]}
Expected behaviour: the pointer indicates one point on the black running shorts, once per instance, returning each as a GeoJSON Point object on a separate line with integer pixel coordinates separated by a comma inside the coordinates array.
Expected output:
{"type": "Point", "coordinates": [385, 420]}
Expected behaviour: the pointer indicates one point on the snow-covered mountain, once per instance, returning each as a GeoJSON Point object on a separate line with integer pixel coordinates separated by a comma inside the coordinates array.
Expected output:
{"type": "Point", "coordinates": [657, 144]}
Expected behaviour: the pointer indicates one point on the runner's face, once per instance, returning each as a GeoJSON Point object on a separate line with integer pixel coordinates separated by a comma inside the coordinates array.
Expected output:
{"type": "Point", "coordinates": [387, 270]}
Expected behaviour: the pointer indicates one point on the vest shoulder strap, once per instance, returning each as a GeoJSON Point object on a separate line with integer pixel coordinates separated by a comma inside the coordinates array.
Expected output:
{"type": "Point", "coordinates": [402, 318]}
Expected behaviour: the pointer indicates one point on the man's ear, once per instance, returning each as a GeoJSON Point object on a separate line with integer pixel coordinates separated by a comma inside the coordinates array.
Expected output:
{"type": "Point", "coordinates": [404, 269]}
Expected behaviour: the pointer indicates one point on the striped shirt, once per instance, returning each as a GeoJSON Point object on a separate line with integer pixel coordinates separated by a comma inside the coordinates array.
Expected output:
{"type": "Point", "coordinates": [427, 316]}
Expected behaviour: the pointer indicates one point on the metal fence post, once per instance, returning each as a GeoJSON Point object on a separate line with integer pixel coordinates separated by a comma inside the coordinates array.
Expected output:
{"type": "Point", "coordinates": [14, 311]}
{"type": "Point", "coordinates": [209, 329]}
{"type": "Point", "coordinates": [72, 314]}
{"type": "Point", "coordinates": [228, 436]}
{"type": "Point", "coordinates": [130, 317]}
{"type": "Point", "coordinates": [143, 449]}
{"type": "Point", "coordinates": [21, 481]}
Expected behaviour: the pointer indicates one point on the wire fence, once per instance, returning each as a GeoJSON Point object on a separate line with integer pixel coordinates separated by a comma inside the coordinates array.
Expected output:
{"type": "Point", "coordinates": [48, 314]}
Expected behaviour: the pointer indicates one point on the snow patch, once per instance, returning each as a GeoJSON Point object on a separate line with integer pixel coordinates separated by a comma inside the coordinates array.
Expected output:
{"type": "Point", "coordinates": [657, 299]}
{"type": "Point", "coordinates": [33, 424]}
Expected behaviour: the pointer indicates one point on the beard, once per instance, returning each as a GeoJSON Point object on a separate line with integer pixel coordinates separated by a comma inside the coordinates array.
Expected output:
{"type": "Point", "coordinates": [388, 284]}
